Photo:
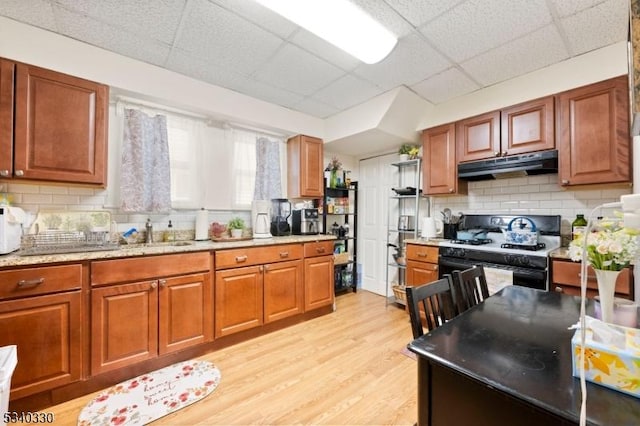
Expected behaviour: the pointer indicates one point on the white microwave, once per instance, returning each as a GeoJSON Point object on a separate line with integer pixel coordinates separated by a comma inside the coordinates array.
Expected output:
{"type": "Point", "coordinates": [10, 228]}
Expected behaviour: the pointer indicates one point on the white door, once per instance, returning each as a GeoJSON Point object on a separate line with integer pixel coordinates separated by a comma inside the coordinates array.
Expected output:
{"type": "Point", "coordinates": [376, 178]}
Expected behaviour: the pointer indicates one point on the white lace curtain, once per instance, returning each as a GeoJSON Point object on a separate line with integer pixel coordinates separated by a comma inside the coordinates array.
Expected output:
{"type": "Point", "coordinates": [145, 181]}
{"type": "Point", "coordinates": [268, 184]}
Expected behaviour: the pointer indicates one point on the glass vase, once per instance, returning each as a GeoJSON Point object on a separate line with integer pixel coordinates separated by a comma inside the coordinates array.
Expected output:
{"type": "Point", "coordinates": [606, 292]}
{"type": "Point", "coordinates": [333, 179]}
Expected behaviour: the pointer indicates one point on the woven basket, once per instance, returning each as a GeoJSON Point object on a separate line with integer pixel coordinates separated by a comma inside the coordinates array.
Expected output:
{"type": "Point", "coordinates": [400, 292]}
{"type": "Point", "coordinates": [341, 258]}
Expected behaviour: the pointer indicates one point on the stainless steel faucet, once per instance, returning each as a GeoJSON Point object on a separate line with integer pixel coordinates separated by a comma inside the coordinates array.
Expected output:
{"type": "Point", "coordinates": [149, 227]}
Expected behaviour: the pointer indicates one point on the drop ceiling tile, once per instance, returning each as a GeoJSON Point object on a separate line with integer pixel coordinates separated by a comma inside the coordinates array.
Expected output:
{"type": "Point", "coordinates": [570, 7]}
{"type": "Point", "coordinates": [408, 63]}
{"type": "Point", "coordinates": [260, 90]}
{"type": "Point", "coordinates": [154, 19]}
{"type": "Point", "coordinates": [297, 71]}
{"type": "Point", "coordinates": [419, 12]}
{"type": "Point", "coordinates": [599, 26]}
{"type": "Point", "coordinates": [346, 92]}
{"type": "Point", "coordinates": [102, 35]}
{"type": "Point", "coordinates": [477, 26]}
{"type": "Point", "coordinates": [325, 50]}
{"type": "Point", "coordinates": [204, 70]}
{"type": "Point", "coordinates": [217, 34]}
{"type": "Point", "coordinates": [260, 16]}
{"type": "Point", "coordinates": [386, 15]}
{"type": "Point", "coordinates": [36, 12]}
{"type": "Point", "coordinates": [315, 108]}
{"type": "Point", "coordinates": [518, 57]}
{"type": "Point", "coordinates": [447, 85]}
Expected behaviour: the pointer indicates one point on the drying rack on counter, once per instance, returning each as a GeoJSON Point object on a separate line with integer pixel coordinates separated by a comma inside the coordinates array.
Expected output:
{"type": "Point", "coordinates": [58, 242]}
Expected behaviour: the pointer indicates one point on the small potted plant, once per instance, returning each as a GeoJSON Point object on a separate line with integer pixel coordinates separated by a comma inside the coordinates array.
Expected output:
{"type": "Point", "coordinates": [408, 151]}
{"type": "Point", "coordinates": [236, 226]}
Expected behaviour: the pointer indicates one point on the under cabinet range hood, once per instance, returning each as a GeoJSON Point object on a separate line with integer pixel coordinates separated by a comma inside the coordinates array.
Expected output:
{"type": "Point", "coordinates": [535, 163]}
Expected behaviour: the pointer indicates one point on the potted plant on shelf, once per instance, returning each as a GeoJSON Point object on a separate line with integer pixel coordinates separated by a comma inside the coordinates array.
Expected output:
{"type": "Point", "coordinates": [408, 151]}
{"type": "Point", "coordinates": [236, 226]}
{"type": "Point", "coordinates": [334, 166]}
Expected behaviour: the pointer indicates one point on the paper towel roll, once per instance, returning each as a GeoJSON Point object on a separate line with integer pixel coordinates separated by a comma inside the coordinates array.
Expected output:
{"type": "Point", "coordinates": [202, 225]}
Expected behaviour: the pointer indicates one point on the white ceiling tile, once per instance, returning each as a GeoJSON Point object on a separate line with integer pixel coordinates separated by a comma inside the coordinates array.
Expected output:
{"type": "Point", "coordinates": [419, 12]}
{"type": "Point", "coordinates": [518, 57]}
{"type": "Point", "coordinates": [447, 85]}
{"type": "Point", "coordinates": [260, 15]}
{"type": "Point", "coordinates": [315, 108]}
{"type": "Point", "coordinates": [138, 17]}
{"type": "Point", "coordinates": [346, 92]}
{"type": "Point", "coordinates": [386, 15]}
{"type": "Point", "coordinates": [269, 93]}
{"type": "Point", "coordinates": [99, 34]}
{"type": "Point", "coordinates": [295, 70]}
{"type": "Point", "coordinates": [217, 34]}
{"type": "Point", "coordinates": [599, 26]}
{"type": "Point", "coordinates": [204, 70]}
{"type": "Point", "coordinates": [317, 46]}
{"type": "Point", "coordinates": [36, 12]}
{"type": "Point", "coordinates": [408, 63]}
{"type": "Point", "coordinates": [476, 26]}
{"type": "Point", "coordinates": [569, 7]}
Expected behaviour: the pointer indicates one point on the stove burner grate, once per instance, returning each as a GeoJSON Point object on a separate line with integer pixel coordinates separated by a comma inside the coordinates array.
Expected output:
{"type": "Point", "coordinates": [538, 246]}
{"type": "Point", "coordinates": [474, 242]}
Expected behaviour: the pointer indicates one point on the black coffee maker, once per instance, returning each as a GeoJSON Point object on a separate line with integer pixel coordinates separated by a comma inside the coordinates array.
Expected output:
{"type": "Point", "coordinates": [280, 212]}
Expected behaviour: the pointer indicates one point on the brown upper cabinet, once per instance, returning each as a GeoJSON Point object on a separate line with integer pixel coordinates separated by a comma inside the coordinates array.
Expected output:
{"type": "Point", "coordinates": [593, 133]}
{"type": "Point", "coordinates": [518, 129]}
{"type": "Point", "coordinates": [60, 130]}
{"type": "Point", "coordinates": [439, 171]}
{"type": "Point", "coordinates": [305, 169]}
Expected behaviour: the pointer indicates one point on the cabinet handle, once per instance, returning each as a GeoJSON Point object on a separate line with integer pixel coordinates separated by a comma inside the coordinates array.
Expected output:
{"type": "Point", "coordinates": [504, 153]}
{"type": "Point", "coordinates": [320, 250]}
{"type": "Point", "coordinates": [435, 268]}
{"type": "Point", "coordinates": [261, 268]}
{"type": "Point", "coordinates": [496, 153]}
{"type": "Point", "coordinates": [153, 285]}
{"type": "Point", "coordinates": [284, 254]}
{"type": "Point", "coordinates": [240, 259]}
{"type": "Point", "coordinates": [420, 254]}
{"type": "Point", "coordinates": [451, 190]}
{"type": "Point", "coordinates": [589, 277]}
{"type": "Point", "coordinates": [558, 289]}
{"type": "Point", "coordinates": [265, 267]}
{"type": "Point", "coordinates": [4, 173]}
{"type": "Point", "coordinates": [30, 283]}
{"type": "Point", "coordinates": [19, 173]}
{"type": "Point", "coordinates": [565, 182]}
{"type": "Point", "coordinates": [163, 283]}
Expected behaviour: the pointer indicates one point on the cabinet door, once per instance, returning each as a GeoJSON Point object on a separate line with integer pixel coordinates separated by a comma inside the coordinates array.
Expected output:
{"type": "Point", "coordinates": [305, 168]}
{"type": "Point", "coordinates": [6, 117]}
{"type": "Point", "coordinates": [186, 312]}
{"type": "Point", "coordinates": [124, 325]}
{"type": "Point", "coordinates": [60, 127]}
{"type": "Point", "coordinates": [439, 169]}
{"type": "Point", "coordinates": [47, 331]}
{"type": "Point", "coordinates": [528, 127]}
{"type": "Point", "coordinates": [421, 272]}
{"type": "Point", "coordinates": [318, 282]}
{"type": "Point", "coordinates": [238, 300]}
{"type": "Point", "coordinates": [283, 290]}
{"type": "Point", "coordinates": [593, 129]}
{"type": "Point", "coordinates": [478, 137]}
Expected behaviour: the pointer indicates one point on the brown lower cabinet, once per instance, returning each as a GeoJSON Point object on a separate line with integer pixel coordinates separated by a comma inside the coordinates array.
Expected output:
{"type": "Point", "coordinates": [422, 264]}
{"type": "Point", "coordinates": [566, 278]}
{"type": "Point", "coordinates": [152, 313]}
{"type": "Point", "coordinates": [318, 275]}
{"type": "Point", "coordinates": [41, 313]}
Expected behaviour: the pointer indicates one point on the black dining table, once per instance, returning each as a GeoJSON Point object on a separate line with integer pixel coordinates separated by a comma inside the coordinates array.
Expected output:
{"type": "Point", "coordinates": [507, 361]}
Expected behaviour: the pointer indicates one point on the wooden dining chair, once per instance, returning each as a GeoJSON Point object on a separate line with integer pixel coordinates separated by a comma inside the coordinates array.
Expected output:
{"type": "Point", "coordinates": [470, 287]}
{"type": "Point", "coordinates": [430, 305]}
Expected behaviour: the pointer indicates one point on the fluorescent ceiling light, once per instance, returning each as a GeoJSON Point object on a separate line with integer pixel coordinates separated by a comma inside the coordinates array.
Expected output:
{"type": "Point", "coordinates": [341, 23]}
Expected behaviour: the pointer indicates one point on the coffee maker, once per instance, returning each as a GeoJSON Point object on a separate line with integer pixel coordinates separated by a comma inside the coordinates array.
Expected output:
{"type": "Point", "coordinates": [280, 212]}
{"type": "Point", "coordinates": [305, 222]}
{"type": "Point", "coordinates": [260, 219]}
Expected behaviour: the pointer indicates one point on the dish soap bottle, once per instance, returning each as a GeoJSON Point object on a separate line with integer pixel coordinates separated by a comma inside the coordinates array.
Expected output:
{"type": "Point", "coordinates": [578, 226]}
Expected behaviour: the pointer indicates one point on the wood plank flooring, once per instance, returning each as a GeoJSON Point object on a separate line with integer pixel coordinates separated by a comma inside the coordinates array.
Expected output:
{"type": "Point", "coordinates": [344, 368]}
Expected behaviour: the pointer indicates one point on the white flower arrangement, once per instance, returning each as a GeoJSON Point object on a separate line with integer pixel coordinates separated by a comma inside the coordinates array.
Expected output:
{"type": "Point", "coordinates": [611, 247]}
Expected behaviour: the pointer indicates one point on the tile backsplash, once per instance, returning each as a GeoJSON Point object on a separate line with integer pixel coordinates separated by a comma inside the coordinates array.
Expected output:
{"type": "Point", "coordinates": [33, 198]}
{"type": "Point", "coordinates": [530, 195]}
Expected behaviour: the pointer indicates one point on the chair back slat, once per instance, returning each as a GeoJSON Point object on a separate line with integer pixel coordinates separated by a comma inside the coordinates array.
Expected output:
{"type": "Point", "coordinates": [430, 305]}
{"type": "Point", "coordinates": [470, 287]}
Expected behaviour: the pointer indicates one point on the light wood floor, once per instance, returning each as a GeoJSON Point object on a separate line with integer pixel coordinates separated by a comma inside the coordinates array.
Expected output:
{"type": "Point", "coordinates": [344, 368]}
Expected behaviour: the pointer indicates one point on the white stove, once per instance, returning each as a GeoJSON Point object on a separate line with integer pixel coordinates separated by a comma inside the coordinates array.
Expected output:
{"type": "Point", "coordinates": [496, 244]}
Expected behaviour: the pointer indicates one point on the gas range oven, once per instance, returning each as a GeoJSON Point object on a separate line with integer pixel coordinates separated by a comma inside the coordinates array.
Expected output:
{"type": "Point", "coordinates": [505, 264]}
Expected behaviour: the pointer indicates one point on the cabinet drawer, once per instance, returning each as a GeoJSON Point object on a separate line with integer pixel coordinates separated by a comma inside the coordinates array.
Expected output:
{"type": "Point", "coordinates": [319, 248]}
{"type": "Point", "coordinates": [421, 253]}
{"type": "Point", "coordinates": [568, 274]}
{"type": "Point", "coordinates": [257, 255]}
{"type": "Point", "coordinates": [144, 268]}
{"type": "Point", "coordinates": [33, 281]}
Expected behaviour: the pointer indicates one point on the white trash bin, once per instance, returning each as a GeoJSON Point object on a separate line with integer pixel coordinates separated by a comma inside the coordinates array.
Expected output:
{"type": "Point", "coordinates": [8, 362]}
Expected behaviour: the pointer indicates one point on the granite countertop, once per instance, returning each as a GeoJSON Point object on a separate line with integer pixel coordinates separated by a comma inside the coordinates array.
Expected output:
{"type": "Point", "coordinates": [142, 249]}
{"type": "Point", "coordinates": [425, 242]}
{"type": "Point", "coordinates": [560, 253]}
